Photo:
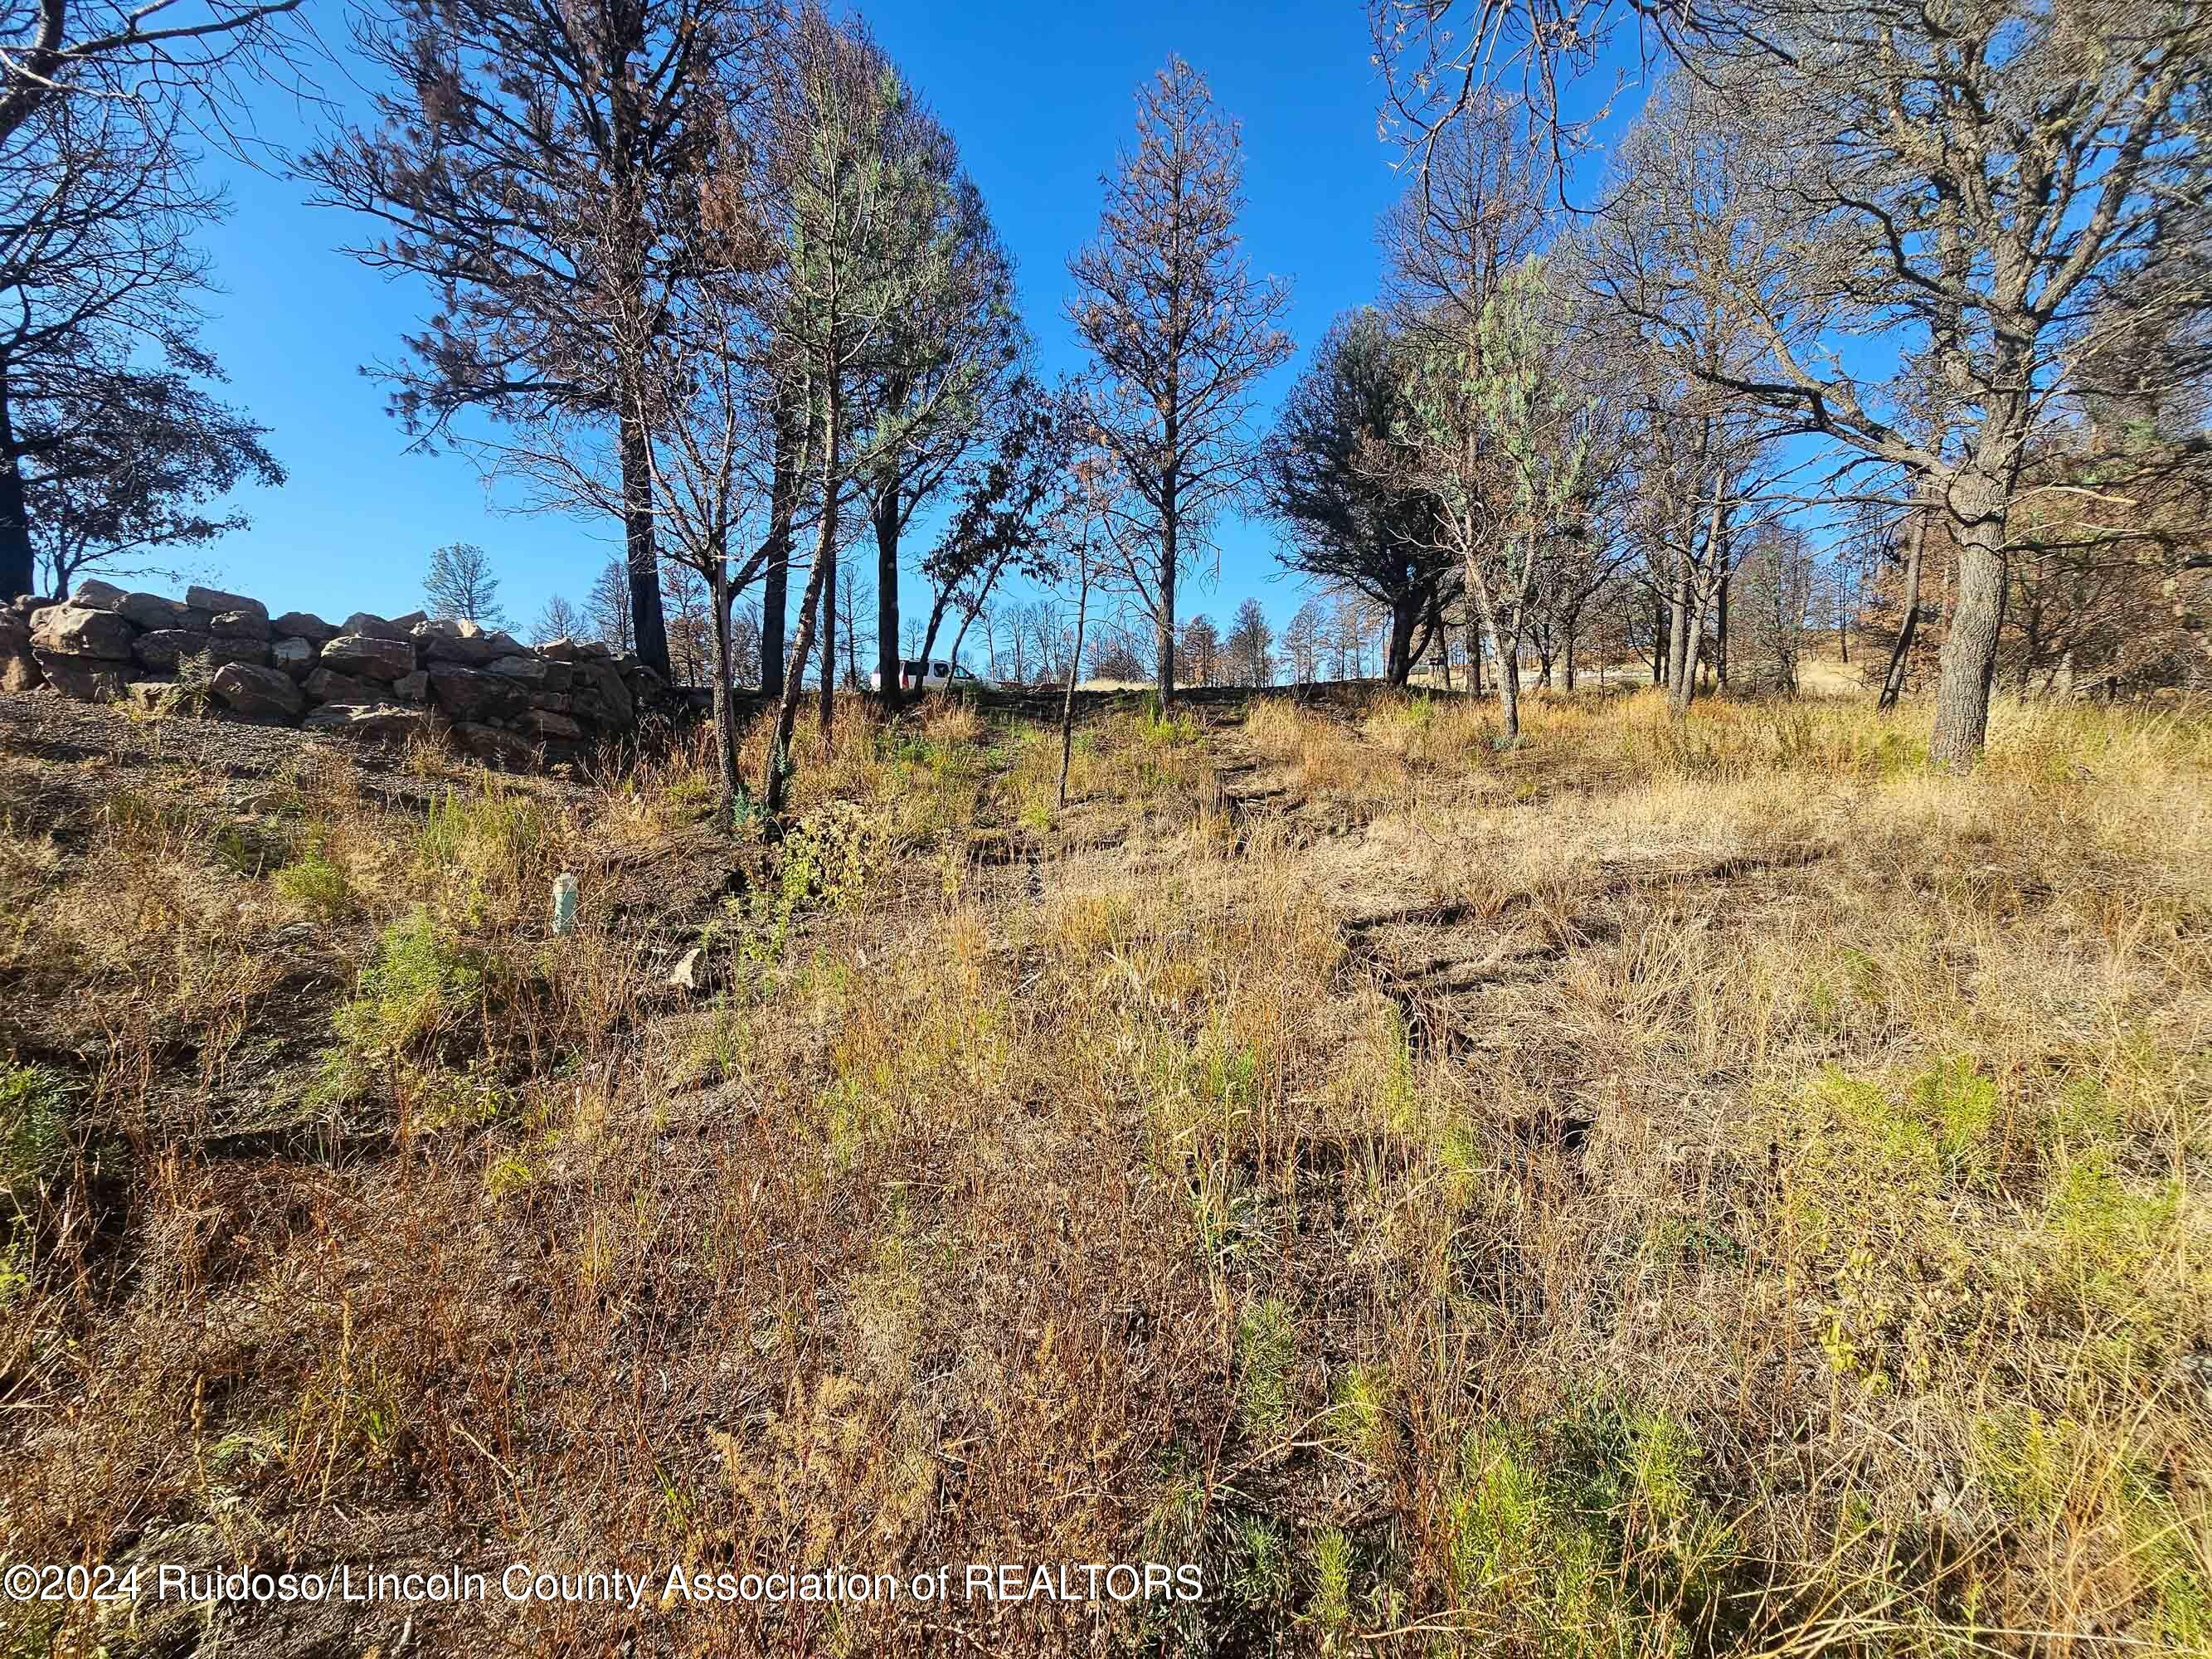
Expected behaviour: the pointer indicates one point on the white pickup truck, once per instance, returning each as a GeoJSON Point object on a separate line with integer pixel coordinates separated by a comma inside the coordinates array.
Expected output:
{"type": "Point", "coordinates": [916, 676]}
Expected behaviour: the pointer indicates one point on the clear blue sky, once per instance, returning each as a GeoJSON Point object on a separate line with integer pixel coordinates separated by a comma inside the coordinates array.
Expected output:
{"type": "Point", "coordinates": [1037, 96]}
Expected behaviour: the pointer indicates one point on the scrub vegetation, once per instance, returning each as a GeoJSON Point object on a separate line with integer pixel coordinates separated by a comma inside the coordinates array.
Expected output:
{"type": "Point", "coordinates": [1671, 1186]}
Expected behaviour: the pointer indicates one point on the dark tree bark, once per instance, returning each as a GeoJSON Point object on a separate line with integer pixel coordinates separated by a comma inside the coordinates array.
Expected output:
{"type": "Point", "coordinates": [1892, 681]}
{"type": "Point", "coordinates": [1721, 638]}
{"type": "Point", "coordinates": [1969, 657]}
{"type": "Point", "coordinates": [643, 558]}
{"type": "Point", "coordinates": [812, 605]}
{"type": "Point", "coordinates": [887, 607]}
{"type": "Point", "coordinates": [16, 572]}
{"type": "Point", "coordinates": [1074, 672]}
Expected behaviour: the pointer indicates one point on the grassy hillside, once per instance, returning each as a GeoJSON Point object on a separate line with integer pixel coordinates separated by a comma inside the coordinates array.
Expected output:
{"type": "Point", "coordinates": [1659, 1190]}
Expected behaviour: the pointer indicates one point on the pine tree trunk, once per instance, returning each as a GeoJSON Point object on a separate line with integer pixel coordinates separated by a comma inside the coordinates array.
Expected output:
{"type": "Point", "coordinates": [1163, 624]}
{"type": "Point", "coordinates": [725, 723]}
{"type": "Point", "coordinates": [887, 597]}
{"type": "Point", "coordinates": [811, 607]}
{"type": "Point", "coordinates": [783, 492]}
{"type": "Point", "coordinates": [17, 573]}
{"type": "Point", "coordinates": [1398, 667]}
{"type": "Point", "coordinates": [642, 563]}
{"type": "Point", "coordinates": [826, 691]}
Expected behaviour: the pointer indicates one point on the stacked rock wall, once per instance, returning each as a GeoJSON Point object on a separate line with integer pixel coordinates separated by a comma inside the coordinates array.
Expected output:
{"type": "Point", "coordinates": [368, 678]}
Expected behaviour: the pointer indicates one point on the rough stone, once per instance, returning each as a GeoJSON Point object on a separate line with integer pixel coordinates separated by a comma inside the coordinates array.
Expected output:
{"type": "Point", "coordinates": [327, 684]}
{"type": "Point", "coordinates": [241, 625]}
{"type": "Point", "coordinates": [600, 696]}
{"type": "Point", "coordinates": [461, 641]}
{"type": "Point", "coordinates": [468, 693]}
{"type": "Point", "coordinates": [19, 670]}
{"type": "Point", "coordinates": [258, 693]}
{"type": "Point", "coordinates": [551, 725]}
{"type": "Point", "coordinates": [252, 652]}
{"type": "Point", "coordinates": [494, 747]}
{"type": "Point", "coordinates": [364, 625]}
{"type": "Point", "coordinates": [684, 976]}
{"type": "Point", "coordinates": [94, 594]}
{"type": "Point", "coordinates": [74, 630]}
{"type": "Point", "coordinates": [152, 696]}
{"type": "Point", "coordinates": [89, 679]}
{"type": "Point", "coordinates": [370, 656]}
{"type": "Point", "coordinates": [367, 722]}
{"type": "Point", "coordinates": [303, 625]}
{"type": "Point", "coordinates": [560, 650]}
{"type": "Point", "coordinates": [412, 688]}
{"type": "Point", "coordinates": [294, 656]}
{"type": "Point", "coordinates": [150, 610]}
{"type": "Point", "coordinates": [412, 620]}
{"type": "Point", "coordinates": [215, 602]}
{"type": "Point", "coordinates": [165, 647]}
{"type": "Point", "coordinates": [532, 672]}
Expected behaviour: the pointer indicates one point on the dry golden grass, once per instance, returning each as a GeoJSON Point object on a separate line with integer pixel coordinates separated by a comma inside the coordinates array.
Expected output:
{"type": "Point", "coordinates": [1662, 1189]}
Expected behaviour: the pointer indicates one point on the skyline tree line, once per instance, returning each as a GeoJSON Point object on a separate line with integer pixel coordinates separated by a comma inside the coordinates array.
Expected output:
{"type": "Point", "coordinates": [1826, 339]}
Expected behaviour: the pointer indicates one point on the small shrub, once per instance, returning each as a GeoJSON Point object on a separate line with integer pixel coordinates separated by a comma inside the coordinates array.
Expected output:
{"type": "Point", "coordinates": [315, 883]}
{"type": "Point", "coordinates": [1267, 1353]}
{"type": "Point", "coordinates": [34, 1128]}
{"type": "Point", "coordinates": [417, 982]}
{"type": "Point", "coordinates": [1331, 1605]}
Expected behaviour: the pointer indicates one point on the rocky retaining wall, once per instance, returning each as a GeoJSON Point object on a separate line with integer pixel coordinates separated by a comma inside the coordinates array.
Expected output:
{"type": "Point", "coordinates": [368, 678]}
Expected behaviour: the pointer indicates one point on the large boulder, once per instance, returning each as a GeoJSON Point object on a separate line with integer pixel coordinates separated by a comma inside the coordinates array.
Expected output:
{"type": "Point", "coordinates": [325, 684]}
{"type": "Point", "coordinates": [303, 625]}
{"type": "Point", "coordinates": [258, 693]}
{"type": "Point", "coordinates": [294, 656]}
{"type": "Point", "coordinates": [549, 725]}
{"type": "Point", "coordinates": [369, 656]}
{"type": "Point", "coordinates": [411, 621]}
{"type": "Point", "coordinates": [367, 722]}
{"type": "Point", "coordinates": [412, 688]}
{"type": "Point", "coordinates": [94, 594]}
{"type": "Point", "coordinates": [151, 610]}
{"type": "Point", "coordinates": [19, 669]}
{"type": "Point", "coordinates": [250, 651]}
{"type": "Point", "coordinates": [535, 672]}
{"type": "Point", "coordinates": [215, 602]}
{"type": "Point", "coordinates": [241, 625]}
{"type": "Point", "coordinates": [76, 630]}
{"type": "Point", "coordinates": [600, 696]}
{"type": "Point", "coordinates": [366, 625]}
{"type": "Point", "coordinates": [89, 679]}
{"type": "Point", "coordinates": [165, 649]}
{"type": "Point", "coordinates": [469, 694]}
{"type": "Point", "coordinates": [455, 639]}
{"type": "Point", "coordinates": [494, 747]}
